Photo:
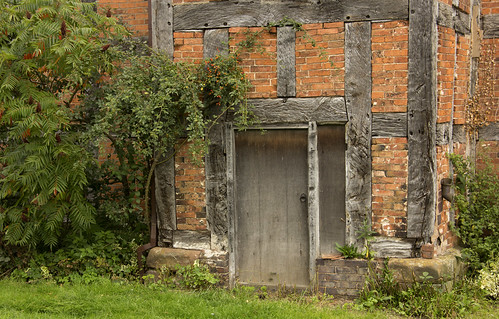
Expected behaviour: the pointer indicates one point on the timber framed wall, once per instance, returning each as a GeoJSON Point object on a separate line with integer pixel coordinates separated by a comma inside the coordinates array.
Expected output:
{"type": "Point", "coordinates": [397, 76]}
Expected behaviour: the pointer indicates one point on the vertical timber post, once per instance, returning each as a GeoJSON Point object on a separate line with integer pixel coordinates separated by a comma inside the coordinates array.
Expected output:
{"type": "Point", "coordinates": [421, 120]}
{"type": "Point", "coordinates": [161, 20]}
{"type": "Point", "coordinates": [286, 69]}
{"type": "Point", "coordinates": [313, 199]}
{"type": "Point", "coordinates": [216, 42]}
{"type": "Point", "coordinates": [231, 210]}
{"type": "Point", "coordinates": [358, 84]}
{"type": "Point", "coordinates": [161, 38]}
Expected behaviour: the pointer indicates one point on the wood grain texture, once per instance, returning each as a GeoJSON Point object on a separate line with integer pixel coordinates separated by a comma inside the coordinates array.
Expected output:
{"type": "Point", "coordinates": [255, 13]}
{"type": "Point", "coordinates": [421, 121]}
{"type": "Point", "coordinates": [451, 17]}
{"type": "Point", "coordinates": [231, 210]}
{"type": "Point", "coordinates": [286, 58]}
{"type": "Point", "coordinates": [190, 239]}
{"type": "Point", "coordinates": [443, 134]}
{"type": "Point", "coordinates": [331, 148]}
{"type": "Point", "coordinates": [300, 110]}
{"type": "Point", "coordinates": [215, 42]}
{"type": "Point", "coordinates": [162, 25]}
{"type": "Point", "coordinates": [358, 85]}
{"type": "Point", "coordinates": [389, 125]}
{"type": "Point", "coordinates": [313, 199]}
{"type": "Point", "coordinates": [458, 134]}
{"type": "Point", "coordinates": [164, 176]}
{"type": "Point", "coordinates": [489, 132]}
{"type": "Point", "coordinates": [491, 26]}
{"type": "Point", "coordinates": [393, 247]}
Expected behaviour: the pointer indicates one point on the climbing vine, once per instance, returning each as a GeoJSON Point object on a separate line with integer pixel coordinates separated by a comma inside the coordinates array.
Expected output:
{"type": "Point", "coordinates": [480, 106]}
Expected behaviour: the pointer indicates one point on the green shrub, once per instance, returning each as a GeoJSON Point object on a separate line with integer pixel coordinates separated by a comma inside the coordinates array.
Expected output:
{"type": "Point", "coordinates": [196, 276]}
{"type": "Point", "coordinates": [348, 251]}
{"type": "Point", "coordinates": [51, 51]}
{"type": "Point", "coordinates": [477, 202]}
{"type": "Point", "coordinates": [421, 299]}
{"type": "Point", "coordinates": [488, 278]}
{"type": "Point", "coordinates": [82, 260]}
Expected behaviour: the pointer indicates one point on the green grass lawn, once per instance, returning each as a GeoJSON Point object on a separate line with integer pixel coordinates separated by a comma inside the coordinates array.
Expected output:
{"type": "Point", "coordinates": [108, 300]}
{"type": "Point", "coordinates": [112, 300]}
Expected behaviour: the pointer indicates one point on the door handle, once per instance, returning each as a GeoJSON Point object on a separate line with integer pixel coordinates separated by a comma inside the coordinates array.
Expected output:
{"type": "Point", "coordinates": [303, 198]}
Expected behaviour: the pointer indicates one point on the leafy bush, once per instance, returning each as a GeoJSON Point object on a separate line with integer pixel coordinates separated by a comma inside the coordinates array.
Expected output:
{"type": "Point", "coordinates": [51, 51]}
{"type": "Point", "coordinates": [348, 251]}
{"type": "Point", "coordinates": [489, 278]}
{"type": "Point", "coordinates": [421, 299]}
{"type": "Point", "coordinates": [477, 201]}
{"type": "Point", "coordinates": [105, 255]}
{"type": "Point", "coordinates": [196, 276]}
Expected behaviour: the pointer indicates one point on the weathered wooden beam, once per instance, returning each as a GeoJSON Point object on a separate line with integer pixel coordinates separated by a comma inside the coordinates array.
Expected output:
{"type": "Point", "coordinates": [231, 210]}
{"type": "Point", "coordinates": [458, 134]}
{"type": "Point", "coordinates": [161, 38]}
{"type": "Point", "coordinates": [443, 134]}
{"type": "Point", "coordinates": [491, 26]}
{"type": "Point", "coordinates": [489, 132]}
{"type": "Point", "coordinates": [451, 17]}
{"type": "Point", "coordinates": [389, 125]}
{"type": "Point", "coordinates": [385, 247]}
{"type": "Point", "coordinates": [300, 110]}
{"type": "Point", "coordinates": [255, 13]}
{"type": "Point", "coordinates": [190, 239]}
{"type": "Point", "coordinates": [216, 42]}
{"type": "Point", "coordinates": [161, 12]}
{"type": "Point", "coordinates": [358, 85]}
{"type": "Point", "coordinates": [421, 123]}
{"type": "Point", "coordinates": [164, 176]}
{"type": "Point", "coordinates": [313, 199]}
{"type": "Point", "coordinates": [286, 70]}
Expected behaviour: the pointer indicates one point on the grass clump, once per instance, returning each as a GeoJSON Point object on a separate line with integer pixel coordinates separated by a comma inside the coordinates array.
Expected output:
{"type": "Point", "coordinates": [423, 298]}
{"type": "Point", "coordinates": [113, 300]}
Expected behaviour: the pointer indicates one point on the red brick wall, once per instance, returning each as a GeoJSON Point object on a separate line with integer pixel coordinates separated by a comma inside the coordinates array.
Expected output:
{"type": "Point", "coordinates": [445, 73]}
{"type": "Point", "coordinates": [189, 192]}
{"type": "Point", "coordinates": [462, 79]}
{"type": "Point", "coordinates": [134, 13]}
{"type": "Point", "coordinates": [188, 46]}
{"type": "Point", "coordinates": [320, 70]}
{"type": "Point", "coordinates": [389, 186]}
{"type": "Point", "coordinates": [260, 67]}
{"type": "Point", "coordinates": [389, 155]}
{"type": "Point", "coordinates": [463, 4]}
{"type": "Point", "coordinates": [390, 66]}
{"type": "Point", "coordinates": [490, 7]}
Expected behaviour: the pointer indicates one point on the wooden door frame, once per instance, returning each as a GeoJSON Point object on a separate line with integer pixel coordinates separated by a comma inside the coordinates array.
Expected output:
{"type": "Point", "coordinates": [312, 203]}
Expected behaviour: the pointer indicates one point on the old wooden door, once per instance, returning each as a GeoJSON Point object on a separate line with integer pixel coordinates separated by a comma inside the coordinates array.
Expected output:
{"type": "Point", "coordinates": [272, 242]}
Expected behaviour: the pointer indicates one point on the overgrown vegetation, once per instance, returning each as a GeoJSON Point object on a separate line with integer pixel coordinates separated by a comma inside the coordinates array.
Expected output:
{"type": "Point", "coordinates": [476, 199]}
{"type": "Point", "coordinates": [196, 276]}
{"type": "Point", "coordinates": [477, 202]}
{"type": "Point", "coordinates": [85, 117]}
{"type": "Point", "coordinates": [51, 51]}
{"type": "Point", "coordinates": [423, 298]}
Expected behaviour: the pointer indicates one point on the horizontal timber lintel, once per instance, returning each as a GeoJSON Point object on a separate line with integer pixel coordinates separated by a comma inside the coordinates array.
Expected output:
{"type": "Point", "coordinates": [300, 110]}
{"type": "Point", "coordinates": [225, 14]}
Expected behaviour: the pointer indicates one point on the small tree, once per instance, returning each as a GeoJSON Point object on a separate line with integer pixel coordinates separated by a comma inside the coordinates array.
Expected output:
{"type": "Point", "coordinates": [153, 103]}
{"type": "Point", "coordinates": [51, 52]}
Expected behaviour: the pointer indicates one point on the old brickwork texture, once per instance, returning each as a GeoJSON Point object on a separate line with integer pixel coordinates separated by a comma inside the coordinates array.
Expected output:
{"type": "Point", "coordinates": [320, 71]}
